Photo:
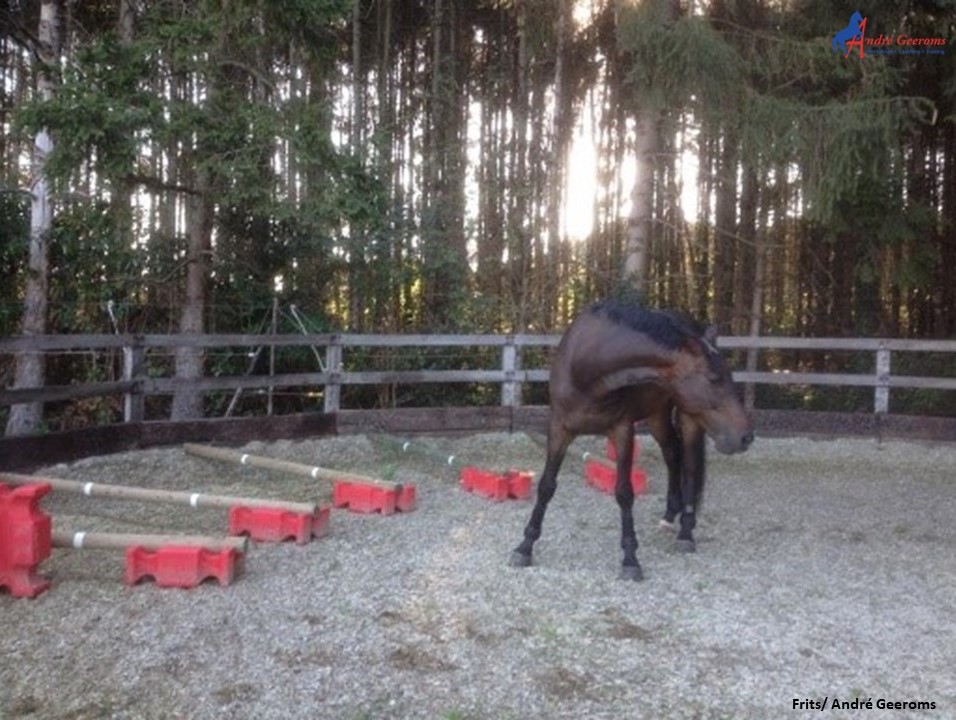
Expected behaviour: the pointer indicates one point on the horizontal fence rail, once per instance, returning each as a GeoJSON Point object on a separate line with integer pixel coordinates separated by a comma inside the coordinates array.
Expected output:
{"type": "Point", "coordinates": [331, 374]}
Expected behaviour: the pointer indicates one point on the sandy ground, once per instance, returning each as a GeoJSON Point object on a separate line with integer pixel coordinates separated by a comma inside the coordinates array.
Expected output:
{"type": "Point", "coordinates": [825, 571]}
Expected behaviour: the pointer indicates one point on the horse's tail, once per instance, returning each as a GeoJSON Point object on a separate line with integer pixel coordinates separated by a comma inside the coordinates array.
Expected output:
{"type": "Point", "coordinates": [699, 497]}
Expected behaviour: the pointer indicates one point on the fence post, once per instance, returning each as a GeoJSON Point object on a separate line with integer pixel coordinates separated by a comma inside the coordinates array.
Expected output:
{"type": "Point", "coordinates": [134, 367]}
{"type": "Point", "coordinates": [510, 388]}
{"type": "Point", "coordinates": [333, 366]}
{"type": "Point", "coordinates": [881, 396]}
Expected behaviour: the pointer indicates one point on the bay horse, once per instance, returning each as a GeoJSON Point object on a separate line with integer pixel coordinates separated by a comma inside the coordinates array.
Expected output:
{"type": "Point", "coordinates": [618, 363]}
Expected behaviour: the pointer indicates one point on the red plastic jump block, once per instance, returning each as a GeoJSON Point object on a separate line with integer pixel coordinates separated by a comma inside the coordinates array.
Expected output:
{"type": "Point", "coordinates": [180, 566]}
{"type": "Point", "coordinates": [512, 484]}
{"type": "Point", "coordinates": [25, 539]}
{"type": "Point", "coordinates": [612, 449]}
{"type": "Point", "coordinates": [604, 478]}
{"type": "Point", "coordinates": [365, 498]}
{"type": "Point", "coordinates": [266, 524]}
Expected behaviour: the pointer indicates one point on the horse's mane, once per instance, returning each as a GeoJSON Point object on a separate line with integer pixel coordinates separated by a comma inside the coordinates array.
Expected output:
{"type": "Point", "coordinates": [668, 327]}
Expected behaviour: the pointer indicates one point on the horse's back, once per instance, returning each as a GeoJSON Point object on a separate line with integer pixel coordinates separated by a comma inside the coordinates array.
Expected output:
{"type": "Point", "coordinates": [608, 337]}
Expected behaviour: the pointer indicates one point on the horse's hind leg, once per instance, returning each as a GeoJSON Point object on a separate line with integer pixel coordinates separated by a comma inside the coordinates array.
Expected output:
{"type": "Point", "coordinates": [665, 433]}
{"type": "Point", "coordinates": [558, 440]}
{"type": "Point", "coordinates": [624, 493]}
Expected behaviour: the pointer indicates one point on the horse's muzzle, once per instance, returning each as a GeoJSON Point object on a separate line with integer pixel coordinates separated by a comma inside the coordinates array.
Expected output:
{"type": "Point", "coordinates": [730, 444]}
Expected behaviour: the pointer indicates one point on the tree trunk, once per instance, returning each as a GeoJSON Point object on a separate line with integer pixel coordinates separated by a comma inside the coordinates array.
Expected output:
{"type": "Point", "coordinates": [518, 215]}
{"type": "Point", "coordinates": [30, 367]}
{"type": "Point", "coordinates": [947, 238]}
{"type": "Point", "coordinates": [757, 238]}
{"type": "Point", "coordinates": [725, 231]}
{"type": "Point", "coordinates": [121, 197]}
{"type": "Point", "coordinates": [556, 179]}
{"type": "Point", "coordinates": [491, 235]}
{"type": "Point", "coordinates": [388, 260]}
{"type": "Point", "coordinates": [358, 282]}
{"type": "Point", "coordinates": [756, 313]}
{"type": "Point", "coordinates": [744, 268]}
{"type": "Point", "coordinates": [187, 403]}
{"type": "Point", "coordinates": [637, 242]}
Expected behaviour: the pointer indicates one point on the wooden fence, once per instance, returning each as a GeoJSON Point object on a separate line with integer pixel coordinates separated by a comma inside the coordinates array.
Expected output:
{"type": "Point", "coordinates": [331, 374]}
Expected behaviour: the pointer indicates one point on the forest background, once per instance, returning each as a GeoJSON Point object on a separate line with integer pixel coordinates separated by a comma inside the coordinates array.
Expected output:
{"type": "Point", "coordinates": [169, 166]}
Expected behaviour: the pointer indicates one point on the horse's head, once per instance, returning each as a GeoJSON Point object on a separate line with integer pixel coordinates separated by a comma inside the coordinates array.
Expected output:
{"type": "Point", "coordinates": [704, 390]}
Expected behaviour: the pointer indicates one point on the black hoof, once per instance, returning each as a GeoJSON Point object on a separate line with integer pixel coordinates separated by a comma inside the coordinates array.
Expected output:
{"type": "Point", "coordinates": [685, 546]}
{"type": "Point", "coordinates": [519, 559]}
{"type": "Point", "coordinates": [631, 572]}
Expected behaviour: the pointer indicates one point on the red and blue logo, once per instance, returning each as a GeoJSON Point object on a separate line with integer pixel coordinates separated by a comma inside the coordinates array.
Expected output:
{"type": "Point", "coordinates": [853, 37]}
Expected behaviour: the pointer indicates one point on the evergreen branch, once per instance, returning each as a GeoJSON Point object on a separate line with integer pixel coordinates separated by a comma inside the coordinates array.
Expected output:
{"type": "Point", "coordinates": [683, 227]}
{"type": "Point", "coordinates": [841, 107]}
{"type": "Point", "coordinates": [156, 185]}
{"type": "Point", "coordinates": [258, 75]}
{"type": "Point", "coordinates": [19, 34]}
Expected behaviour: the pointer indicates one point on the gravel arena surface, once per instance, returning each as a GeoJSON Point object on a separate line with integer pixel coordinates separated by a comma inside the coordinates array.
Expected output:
{"type": "Point", "coordinates": [825, 570]}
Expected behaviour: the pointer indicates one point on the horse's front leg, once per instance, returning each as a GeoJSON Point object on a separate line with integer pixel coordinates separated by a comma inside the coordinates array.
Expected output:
{"type": "Point", "coordinates": [623, 435]}
{"type": "Point", "coordinates": [558, 441]}
{"type": "Point", "coordinates": [693, 469]}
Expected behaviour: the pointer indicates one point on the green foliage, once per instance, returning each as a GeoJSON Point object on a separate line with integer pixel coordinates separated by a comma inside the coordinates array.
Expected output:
{"type": "Point", "coordinates": [678, 60]}
{"type": "Point", "coordinates": [220, 112]}
{"type": "Point", "coordinates": [99, 113]}
{"type": "Point", "coordinates": [846, 148]}
{"type": "Point", "coordinates": [839, 119]}
{"type": "Point", "coordinates": [790, 98]}
{"type": "Point", "coordinates": [314, 25]}
{"type": "Point", "coordinates": [14, 236]}
{"type": "Point", "coordinates": [89, 268]}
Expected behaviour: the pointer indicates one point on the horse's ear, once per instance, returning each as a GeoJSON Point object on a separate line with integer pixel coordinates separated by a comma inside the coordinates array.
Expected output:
{"type": "Point", "coordinates": [706, 343]}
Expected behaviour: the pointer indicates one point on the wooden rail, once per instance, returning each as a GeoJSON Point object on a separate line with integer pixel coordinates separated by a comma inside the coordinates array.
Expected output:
{"type": "Point", "coordinates": [136, 383]}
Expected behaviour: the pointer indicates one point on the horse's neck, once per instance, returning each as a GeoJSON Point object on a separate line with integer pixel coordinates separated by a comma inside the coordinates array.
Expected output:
{"type": "Point", "coordinates": [625, 358]}
{"type": "Point", "coordinates": [636, 349]}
